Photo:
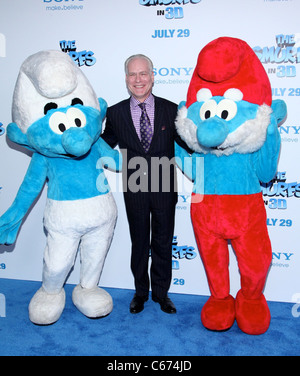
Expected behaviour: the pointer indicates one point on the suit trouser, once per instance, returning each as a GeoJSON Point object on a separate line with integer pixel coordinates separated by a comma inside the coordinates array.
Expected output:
{"type": "Point", "coordinates": [151, 225]}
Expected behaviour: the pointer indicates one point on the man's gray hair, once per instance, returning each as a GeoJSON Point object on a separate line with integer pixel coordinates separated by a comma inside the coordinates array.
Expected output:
{"type": "Point", "coordinates": [138, 56]}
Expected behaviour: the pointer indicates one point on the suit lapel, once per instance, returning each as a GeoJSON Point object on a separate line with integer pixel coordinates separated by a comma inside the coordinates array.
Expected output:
{"type": "Point", "coordinates": [158, 121]}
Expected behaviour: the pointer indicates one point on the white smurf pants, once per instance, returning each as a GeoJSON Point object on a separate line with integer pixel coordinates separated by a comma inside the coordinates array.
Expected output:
{"type": "Point", "coordinates": [88, 224]}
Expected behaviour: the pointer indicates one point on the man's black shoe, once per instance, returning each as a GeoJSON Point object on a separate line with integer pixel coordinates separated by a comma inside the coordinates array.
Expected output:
{"type": "Point", "coordinates": [166, 304]}
{"type": "Point", "coordinates": [137, 303]}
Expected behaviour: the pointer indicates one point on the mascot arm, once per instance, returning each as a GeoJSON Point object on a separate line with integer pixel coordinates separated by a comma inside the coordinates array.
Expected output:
{"type": "Point", "coordinates": [184, 161]}
{"type": "Point", "coordinates": [31, 186]}
{"type": "Point", "coordinates": [109, 158]}
{"type": "Point", "coordinates": [269, 153]}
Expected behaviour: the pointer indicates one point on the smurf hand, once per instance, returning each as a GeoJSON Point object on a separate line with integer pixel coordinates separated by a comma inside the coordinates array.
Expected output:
{"type": "Point", "coordinates": [109, 158]}
{"type": "Point", "coordinates": [10, 223]}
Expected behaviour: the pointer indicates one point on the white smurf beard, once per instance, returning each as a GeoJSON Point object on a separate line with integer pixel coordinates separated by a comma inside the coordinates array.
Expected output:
{"type": "Point", "coordinates": [247, 138]}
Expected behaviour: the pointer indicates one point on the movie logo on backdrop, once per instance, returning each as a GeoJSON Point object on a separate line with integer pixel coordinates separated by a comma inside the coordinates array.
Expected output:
{"type": "Point", "coordinates": [274, 191]}
{"type": "Point", "coordinates": [2, 130]}
{"type": "Point", "coordinates": [170, 12]}
{"type": "Point", "coordinates": [285, 53]}
{"type": "Point", "coordinates": [168, 2]}
{"type": "Point", "coordinates": [79, 57]}
{"type": "Point", "coordinates": [181, 252]}
{"type": "Point", "coordinates": [276, 194]}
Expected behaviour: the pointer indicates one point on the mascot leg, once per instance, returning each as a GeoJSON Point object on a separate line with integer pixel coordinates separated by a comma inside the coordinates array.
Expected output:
{"type": "Point", "coordinates": [90, 299]}
{"type": "Point", "coordinates": [254, 255]}
{"type": "Point", "coordinates": [90, 223]}
{"type": "Point", "coordinates": [48, 303]}
{"type": "Point", "coordinates": [218, 312]}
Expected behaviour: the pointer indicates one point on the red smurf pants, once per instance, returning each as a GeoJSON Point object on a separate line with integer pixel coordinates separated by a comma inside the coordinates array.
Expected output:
{"type": "Point", "coordinates": [242, 220]}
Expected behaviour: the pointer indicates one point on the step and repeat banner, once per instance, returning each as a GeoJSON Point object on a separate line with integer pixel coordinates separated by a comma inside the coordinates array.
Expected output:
{"type": "Point", "coordinates": [99, 35]}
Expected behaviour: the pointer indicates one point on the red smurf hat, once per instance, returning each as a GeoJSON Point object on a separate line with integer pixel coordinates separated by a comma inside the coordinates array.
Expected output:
{"type": "Point", "coordinates": [227, 63]}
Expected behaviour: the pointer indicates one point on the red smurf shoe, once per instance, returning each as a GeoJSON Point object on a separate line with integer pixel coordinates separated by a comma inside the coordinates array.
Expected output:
{"type": "Point", "coordinates": [252, 315]}
{"type": "Point", "coordinates": [218, 314]}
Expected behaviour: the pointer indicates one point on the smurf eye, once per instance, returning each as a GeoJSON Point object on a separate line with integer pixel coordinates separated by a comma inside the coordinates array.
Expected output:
{"type": "Point", "coordinates": [76, 118]}
{"type": "Point", "coordinates": [208, 110]}
{"type": "Point", "coordinates": [58, 122]}
{"type": "Point", "coordinates": [226, 109]}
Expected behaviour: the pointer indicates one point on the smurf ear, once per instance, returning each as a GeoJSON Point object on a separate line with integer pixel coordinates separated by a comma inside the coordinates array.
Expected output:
{"type": "Point", "coordinates": [103, 106]}
{"type": "Point", "coordinates": [181, 104]}
{"type": "Point", "coordinates": [15, 134]}
{"type": "Point", "coordinates": [279, 110]}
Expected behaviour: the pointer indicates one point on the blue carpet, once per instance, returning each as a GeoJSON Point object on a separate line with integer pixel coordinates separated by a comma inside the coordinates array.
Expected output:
{"type": "Point", "coordinates": [150, 333]}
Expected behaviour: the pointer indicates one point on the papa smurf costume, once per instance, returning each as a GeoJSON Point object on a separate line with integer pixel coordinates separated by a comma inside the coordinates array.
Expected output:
{"type": "Point", "coordinates": [230, 121]}
{"type": "Point", "coordinates": [57, 115]}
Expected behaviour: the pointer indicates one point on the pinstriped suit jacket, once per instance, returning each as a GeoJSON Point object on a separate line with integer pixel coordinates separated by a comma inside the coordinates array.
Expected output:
{"type": "Point", "coordinates": [145, 174]}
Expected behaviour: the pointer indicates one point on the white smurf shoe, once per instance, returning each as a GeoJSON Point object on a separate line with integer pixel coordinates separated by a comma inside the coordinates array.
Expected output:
{"type": "Point", "coordinates": [93, 303]}
{"type": "Point", "coordinates": [45, 308]}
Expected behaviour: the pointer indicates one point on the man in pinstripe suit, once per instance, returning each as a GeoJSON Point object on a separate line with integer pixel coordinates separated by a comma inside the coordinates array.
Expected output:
{"type": "Point", "coordinates": [149, 181]}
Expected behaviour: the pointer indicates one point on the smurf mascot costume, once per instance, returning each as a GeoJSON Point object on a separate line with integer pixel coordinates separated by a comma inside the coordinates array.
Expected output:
{"type": "Point", "coordinates": [231, 123]}
{"type": "Point", "coordinates": [57, 115]}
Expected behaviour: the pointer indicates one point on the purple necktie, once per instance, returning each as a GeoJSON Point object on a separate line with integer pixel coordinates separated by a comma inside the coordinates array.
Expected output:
{"type": "Point", "coordinates": [145, 128]}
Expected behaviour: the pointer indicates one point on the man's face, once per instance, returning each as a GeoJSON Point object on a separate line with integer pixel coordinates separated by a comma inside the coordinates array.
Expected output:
{"type": "Point", "coordinates": [139, 79]}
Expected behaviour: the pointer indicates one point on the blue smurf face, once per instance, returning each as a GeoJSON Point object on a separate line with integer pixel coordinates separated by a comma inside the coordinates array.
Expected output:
{"type": "Point", "coordinates": [65, 132]}
{"type": "Point", "coordinates": [217, 117]}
